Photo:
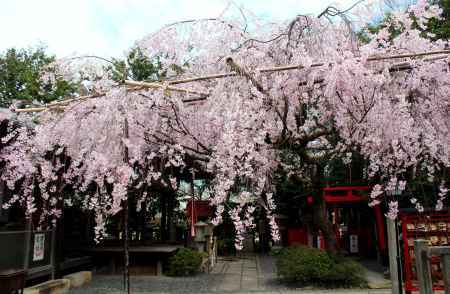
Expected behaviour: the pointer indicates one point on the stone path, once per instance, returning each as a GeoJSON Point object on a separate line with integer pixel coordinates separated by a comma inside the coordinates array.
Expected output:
{"type": "Point", "coordinates": [238, 274]}
{"type": "Point", "coordinates": [244, 274]}
{"type": "Point", "coordinates": [374, 275]}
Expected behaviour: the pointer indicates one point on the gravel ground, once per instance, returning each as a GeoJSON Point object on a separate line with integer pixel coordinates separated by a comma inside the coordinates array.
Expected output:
{"type": "Point", "coordinates": [238, 275]}
{"type": "Point", "coordinates": [150, 284]}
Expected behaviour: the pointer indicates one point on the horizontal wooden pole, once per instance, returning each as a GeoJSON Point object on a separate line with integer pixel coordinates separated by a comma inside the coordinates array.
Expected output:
{"type": "Point", "coordinates": [164, 87]}
{"type": "Point", "coordinates": [159, 85]}
{"type": "Point", "coordinates": [408, 55]}
{"type": "Point", "coordinates": [300, 66]}
{"type": "Point", "coordinates": [38, 109]}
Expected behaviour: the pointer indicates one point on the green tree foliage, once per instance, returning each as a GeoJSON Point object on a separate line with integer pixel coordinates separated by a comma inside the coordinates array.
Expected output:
{"type": "Point", "coordinates": [375, 28]}
{"type": "Point", "coordinates": [138, 67]}
{"type": "Point", "coordinates": [438, 28]}
{"type": "Point", "coordinates": [22, 77]}
{"type": "Point", "coordinates": [424, 188]}
{"type": "Point", "coordinates": [441, 27]}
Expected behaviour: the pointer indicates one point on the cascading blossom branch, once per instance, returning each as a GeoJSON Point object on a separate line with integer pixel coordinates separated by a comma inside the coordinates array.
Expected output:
{"type": "Point", "coordinates": [392, 111]}
{"type": "Point", "coordinates": [101, 165]}
{"type": "Point", "coordinates": [157, 142]}
{"type": "Point", "coordinates": [397, 118]}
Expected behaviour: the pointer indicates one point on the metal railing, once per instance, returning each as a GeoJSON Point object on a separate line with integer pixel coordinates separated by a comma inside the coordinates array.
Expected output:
{"type": "Point", "coordinates": [424, 254]}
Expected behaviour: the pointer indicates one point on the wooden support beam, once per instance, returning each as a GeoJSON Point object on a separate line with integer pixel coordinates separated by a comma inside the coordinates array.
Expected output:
{"type": "Point", "coordinates": [38, 109]}
{"type": "Point", "coordinates": [423, 266]}
{"type": "Point", "coordinates": [446, 272]}
{"type": "Point", "coordinates": [164, 87]}
{"type": "Point", "coordinates": [301, 66]}
{"type": "Point", "coordinates": [393, 251]}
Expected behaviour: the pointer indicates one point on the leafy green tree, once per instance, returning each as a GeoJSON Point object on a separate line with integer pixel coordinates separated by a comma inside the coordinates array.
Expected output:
{"type": "Point", "coordinates": [28, 75]}
{"type": "Point", "coordinates": [438, 28]}
{"type": "Point", "coordinates": [441, 27]}
{"type": "Point", "coordinates": [138, 67]}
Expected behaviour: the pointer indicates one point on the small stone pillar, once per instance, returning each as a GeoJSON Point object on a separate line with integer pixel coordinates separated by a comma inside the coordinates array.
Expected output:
{"type": "Point", "coordinates": [202, 230]}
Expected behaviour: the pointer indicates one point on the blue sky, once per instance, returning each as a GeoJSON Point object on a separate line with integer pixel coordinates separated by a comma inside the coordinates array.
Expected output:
{"type": "Point", "coordinates": [109, 27]}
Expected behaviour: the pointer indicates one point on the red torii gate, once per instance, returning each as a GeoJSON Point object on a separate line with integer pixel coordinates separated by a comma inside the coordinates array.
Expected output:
{"type": "Point", "coordinates": [345, 195]}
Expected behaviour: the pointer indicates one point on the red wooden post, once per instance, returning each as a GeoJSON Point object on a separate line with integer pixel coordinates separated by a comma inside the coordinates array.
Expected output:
{"type": "Point", "coordinates": [380, 227]}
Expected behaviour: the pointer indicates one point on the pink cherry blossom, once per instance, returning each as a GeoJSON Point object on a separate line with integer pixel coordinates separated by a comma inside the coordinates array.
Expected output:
{"type": "Point", "coordinates": [394, 112]}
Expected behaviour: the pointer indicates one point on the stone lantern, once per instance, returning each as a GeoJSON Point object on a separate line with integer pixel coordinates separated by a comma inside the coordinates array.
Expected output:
{"type": "Point", "coordinates": [203, 231]}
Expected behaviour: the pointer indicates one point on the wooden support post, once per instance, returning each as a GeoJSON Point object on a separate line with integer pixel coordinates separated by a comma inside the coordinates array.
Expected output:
{"type": "Point", "coordinates": [53, 253]}
{"type": "Point", "coordinates": [2, 193]}
{"type": "Point", "coordinates": [446, 272]}
{"type": "Point", "coordinates": [159, 267]}
{"type": "Point", "coordinates": [393, 251]}
{"type": "Point", "coordinates": [163, 220]}
{"type": "Point", "coordinates": [126, 248]}
{"type": "Point", "coordinates": [423, 266]}
{"type": "Point", "coordinates": [27, 245]}
{"type": "Point", "coordinates": [215, 249]}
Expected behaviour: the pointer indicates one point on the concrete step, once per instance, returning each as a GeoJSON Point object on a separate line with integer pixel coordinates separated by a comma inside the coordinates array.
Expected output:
{"type": "Point", "coordinates": [79, 279]}
{"type": "Point", "coordinates": [60, 286]}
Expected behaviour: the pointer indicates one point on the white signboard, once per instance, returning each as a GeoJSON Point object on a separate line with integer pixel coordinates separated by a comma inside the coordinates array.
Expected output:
{"type": "Point", "coordinates": [39, 247]}
{"type": "Point", "coordinates": [353, 243]}
{"type": "Point", "coordinates": [319, 242]}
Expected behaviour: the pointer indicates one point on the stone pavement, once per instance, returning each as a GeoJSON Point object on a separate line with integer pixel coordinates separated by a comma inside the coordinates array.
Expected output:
{"type": "Point", "coordinates": [374, 275]}
{"type": "Point", "coordinates": [244, 274]}
{"type": "Point", "coordinates": [238, 274]}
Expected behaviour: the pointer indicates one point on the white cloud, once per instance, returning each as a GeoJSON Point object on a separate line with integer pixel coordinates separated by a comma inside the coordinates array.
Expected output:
{"type": "Point", "coordinates": [64, 26]}
{"type": "Point", "coordinates": [109, 27]}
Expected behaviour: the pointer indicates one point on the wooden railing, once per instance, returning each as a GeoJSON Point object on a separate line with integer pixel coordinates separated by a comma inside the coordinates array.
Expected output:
{"type": "Point", "coordinates": [424, 254]}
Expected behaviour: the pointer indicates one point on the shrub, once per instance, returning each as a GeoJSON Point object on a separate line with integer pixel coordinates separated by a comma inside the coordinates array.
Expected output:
{"type": "Point", "coordinates": [226, 246]}
{"type": "Point", "coordinates": [311, 266]}
{"type": "Point", "coordinates": [185, 262]}
{"type": "Point", "coordinates": [348, 273]}
{"type": "Point", "coordinates": [303, 264]}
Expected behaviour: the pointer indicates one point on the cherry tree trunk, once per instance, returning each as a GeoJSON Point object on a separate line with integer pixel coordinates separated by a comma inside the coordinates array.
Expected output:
{"type": "Point", "coordinates": [125, 223]}
{"type": "Point", "coordinates": [321, 221]}
{"type": "Point", "coordinates": [324, 224]}
{"type": "Point", "coordinates": [170, 217]}
{"type": "Point", "coordinates": [126, 248]}
{"type": "Point", "coordinates": [163, 216]}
